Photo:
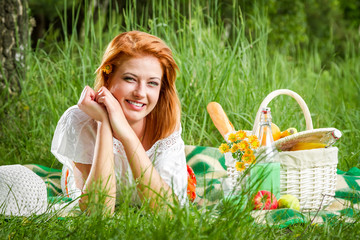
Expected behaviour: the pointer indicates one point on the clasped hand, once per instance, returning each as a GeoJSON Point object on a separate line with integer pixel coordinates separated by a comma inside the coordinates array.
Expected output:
{"type": "Point", "coordinates": [102, 106]}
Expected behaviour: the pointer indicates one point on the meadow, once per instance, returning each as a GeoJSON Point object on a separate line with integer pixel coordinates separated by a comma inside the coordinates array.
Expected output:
{"type": "Point", "coordinates": [219, 61]}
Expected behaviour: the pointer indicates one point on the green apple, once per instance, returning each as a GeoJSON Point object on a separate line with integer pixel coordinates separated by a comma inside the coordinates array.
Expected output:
{"type": "Point", "coordinates": [289, 201]}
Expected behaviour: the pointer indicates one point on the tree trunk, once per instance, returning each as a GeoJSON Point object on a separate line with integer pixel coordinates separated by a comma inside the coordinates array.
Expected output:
{"type": "Point", "coordinates": [13, 43]}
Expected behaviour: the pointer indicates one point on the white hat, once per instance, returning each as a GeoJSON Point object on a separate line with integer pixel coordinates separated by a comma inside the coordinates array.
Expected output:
{"type": "Point", "coordinates": [22, 192]}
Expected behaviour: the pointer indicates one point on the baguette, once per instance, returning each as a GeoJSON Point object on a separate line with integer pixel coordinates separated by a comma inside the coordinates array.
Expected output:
{"type": "Point", "coordinates": [307, 145]}
{"type": "Point", "coordinates": [219, 118]}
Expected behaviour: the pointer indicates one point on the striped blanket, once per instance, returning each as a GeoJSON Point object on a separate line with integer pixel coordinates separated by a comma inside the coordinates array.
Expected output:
{"type": "Point", "coordinates": [210, 170]}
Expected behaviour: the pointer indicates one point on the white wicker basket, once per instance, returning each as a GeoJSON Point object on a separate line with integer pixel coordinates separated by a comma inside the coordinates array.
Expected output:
{"type": "Point", "coordinates": [312, 182]}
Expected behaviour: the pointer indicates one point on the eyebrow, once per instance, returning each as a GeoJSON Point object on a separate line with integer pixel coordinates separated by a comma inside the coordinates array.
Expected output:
{"type": "Point", "coordinates": [134, 75]}
{"type": "Point", "coordinates": [127, 73]}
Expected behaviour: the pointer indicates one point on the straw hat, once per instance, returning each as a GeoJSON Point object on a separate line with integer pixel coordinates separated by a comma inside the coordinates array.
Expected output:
{"type": "Point", "coordinates": [22, 192]}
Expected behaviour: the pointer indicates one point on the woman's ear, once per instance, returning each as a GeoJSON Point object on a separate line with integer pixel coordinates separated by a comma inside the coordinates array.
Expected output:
{"type": "Point", "coordinates": [107, 82]}
{"type": "Point", "coordinates": [108, 77]}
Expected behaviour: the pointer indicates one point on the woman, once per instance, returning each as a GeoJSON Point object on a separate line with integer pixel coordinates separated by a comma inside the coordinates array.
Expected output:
{"type": "Point", "coordinates": [128, 128]}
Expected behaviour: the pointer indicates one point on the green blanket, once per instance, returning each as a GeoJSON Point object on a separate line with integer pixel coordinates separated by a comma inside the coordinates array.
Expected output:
{"type": "Point", "coordinates": [210, 170]}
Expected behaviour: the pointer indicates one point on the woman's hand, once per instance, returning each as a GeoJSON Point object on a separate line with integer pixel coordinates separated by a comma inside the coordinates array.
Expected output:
{"type": "Point", "coordinates": [119, 124]}
{"type": "Point", "coordinates": [88, 104]}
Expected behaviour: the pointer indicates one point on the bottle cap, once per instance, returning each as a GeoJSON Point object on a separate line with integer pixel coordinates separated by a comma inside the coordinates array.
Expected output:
{"type": "Point", "coordinates": [336, 134]}
{"type": "Point", "coordinates": [266, 110]}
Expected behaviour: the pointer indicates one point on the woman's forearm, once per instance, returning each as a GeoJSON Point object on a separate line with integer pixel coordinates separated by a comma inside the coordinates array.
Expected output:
{"type": "Point", "coordinates": [101, 179]}
{"type": "Point", "coordinates": [149, 182]}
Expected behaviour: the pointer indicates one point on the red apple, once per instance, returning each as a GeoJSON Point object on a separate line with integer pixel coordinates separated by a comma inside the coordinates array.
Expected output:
{"type": "Point", "coordinates": [265, 200]}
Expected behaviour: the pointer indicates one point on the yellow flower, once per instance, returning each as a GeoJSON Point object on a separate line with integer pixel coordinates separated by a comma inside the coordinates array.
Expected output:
{"type": "Point", "coordinates": [248, 151]}
{"type": "Point", "coordinates": [243, 145]}
{"type": "Point", "coordinates": [240, 166]}
{"type": "Point", "coordinates": [232, 137]}
{"type": "Point", "coordinates": [107, 68]}
{"type": "Point", "coordinates": [255, 144]}
{"type": "Point", "coordinates": [248, 158]}
{"type": "Point", "coordinates": [224, 148]}
{"type": "Point", "coordinates": [252, 138]}
{"type": "Point", "coordinates": [241, 135]}
{"type": "Point", "coordinates": [234, 148]}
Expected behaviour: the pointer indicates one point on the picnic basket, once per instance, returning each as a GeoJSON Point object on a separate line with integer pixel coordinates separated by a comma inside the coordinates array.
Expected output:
{"type": "Point", "coordinates": [309, 175]}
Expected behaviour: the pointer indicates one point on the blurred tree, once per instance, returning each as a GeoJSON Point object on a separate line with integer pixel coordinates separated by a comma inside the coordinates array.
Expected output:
{"type": "Point", "coordinates": [293, 23]}
{"type": "Point", "coordinates": [50, 15]}
{"type": "Point", "coordinates": [326, 24]}
{"type": "Point", "coordinates": [47, 14]}
{"type": "Point", "coordinates": [287, 19]}
{"type": "Point", "coordinates": [13, 43]}
{"type": "Point", "coordinates": [351, 12]}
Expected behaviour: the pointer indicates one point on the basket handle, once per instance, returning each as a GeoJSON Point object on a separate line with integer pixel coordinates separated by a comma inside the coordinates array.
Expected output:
{"type": "Point", "coordinates": [272, 95]}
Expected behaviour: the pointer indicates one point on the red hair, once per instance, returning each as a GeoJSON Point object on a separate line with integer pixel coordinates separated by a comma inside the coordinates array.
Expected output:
{"type": "Point", "coordinates": [165, 117]}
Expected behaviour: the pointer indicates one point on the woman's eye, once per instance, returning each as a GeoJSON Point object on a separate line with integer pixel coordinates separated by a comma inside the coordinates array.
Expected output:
{"type": "Point", "coordinates": [129, 79]}
{"type": "Point", "coordinates": [154, 84]}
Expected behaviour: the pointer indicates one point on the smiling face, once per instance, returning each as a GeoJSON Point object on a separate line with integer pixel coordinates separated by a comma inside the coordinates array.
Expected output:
{"type": "Point", "coordinates": [136, 85]}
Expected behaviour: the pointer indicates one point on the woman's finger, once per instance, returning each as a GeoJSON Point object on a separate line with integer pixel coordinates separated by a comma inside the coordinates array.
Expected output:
{"type": "Point", "coordinates": [99, 95]}
{"type": "Point", "coordinates": [104, 92]}
{"type": "Point", "coordinates": [87, 95]}
{"type": "Point", "coordinates": [101, 92]}
{"type": "Point", "coordinates": [101, 100]}
{"type": "Point", "coordinates": [83, 94]}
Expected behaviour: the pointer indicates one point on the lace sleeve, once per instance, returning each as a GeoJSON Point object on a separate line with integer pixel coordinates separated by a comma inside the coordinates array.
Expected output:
{"type": "Point", "coordinates": [74, 137]}
{"type": "Point", "coordinates": [169, 160]}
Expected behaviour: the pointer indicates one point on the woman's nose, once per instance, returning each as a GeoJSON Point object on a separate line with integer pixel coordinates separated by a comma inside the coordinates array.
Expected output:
{"type": "Point", "coordinates": [140, 91]}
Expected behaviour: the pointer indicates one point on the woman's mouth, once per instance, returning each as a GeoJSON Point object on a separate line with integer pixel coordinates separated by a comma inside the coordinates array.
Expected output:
{"type": "Point", "coordinates": [136, 104]}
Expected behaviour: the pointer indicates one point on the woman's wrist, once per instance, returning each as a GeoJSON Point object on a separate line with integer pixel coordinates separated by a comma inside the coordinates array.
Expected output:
{"type": "Point", "coordinates": [104, 122]}
{"type": "Point", "coordinates": [127, 136]}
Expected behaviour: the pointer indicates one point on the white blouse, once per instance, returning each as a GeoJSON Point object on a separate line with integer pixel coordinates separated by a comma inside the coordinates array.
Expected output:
{"type": "Point", "coordinates": [74, 141]}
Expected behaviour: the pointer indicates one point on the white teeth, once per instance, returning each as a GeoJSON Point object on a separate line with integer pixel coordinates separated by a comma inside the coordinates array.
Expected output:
{"type": "Point", "coordinates": [136, 104]}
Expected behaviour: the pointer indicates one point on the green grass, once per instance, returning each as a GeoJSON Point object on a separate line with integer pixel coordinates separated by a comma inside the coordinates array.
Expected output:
{"type": "Point", "coordinates": [228, 222]}
{"type": "Point", "coordinates": [219, 61]}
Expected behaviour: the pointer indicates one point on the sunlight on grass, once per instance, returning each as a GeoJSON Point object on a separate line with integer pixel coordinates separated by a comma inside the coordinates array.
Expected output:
{"type": "Point", "coordinates": [219, 61]}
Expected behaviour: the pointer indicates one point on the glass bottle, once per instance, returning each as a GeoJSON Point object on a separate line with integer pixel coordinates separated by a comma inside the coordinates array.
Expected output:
{"type": "Point", "coordinates": [269, 151]}
{"type": "Point", "coordinates": [331, 137]}
{"type": "Point", "coordinates": [265, 174]}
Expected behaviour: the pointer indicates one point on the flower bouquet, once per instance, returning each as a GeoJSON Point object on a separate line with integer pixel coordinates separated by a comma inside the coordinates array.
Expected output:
{"type": "Point", "coordinates": [242, 148]}
{"type": "Point", "coordinates": [239, 154]}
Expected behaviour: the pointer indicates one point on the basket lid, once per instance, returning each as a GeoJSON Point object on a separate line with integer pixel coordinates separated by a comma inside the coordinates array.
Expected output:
{"type": "Point", "coordinates": [308, 136]}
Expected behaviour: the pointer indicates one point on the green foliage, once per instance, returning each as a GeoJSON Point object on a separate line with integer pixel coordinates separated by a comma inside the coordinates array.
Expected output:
{"type": "Point", "coordinates": [288, 21]}
{"type": "Point", "coordinates": [226, 221]}
{"type": "Point", "coordinates": [351, 13]}
{"type": "Point", "coordinates": [48, 6]}
{"type": "Point", "coordinates": [234, 69]}
{"type": "Point", "coordinates": [233, 60]}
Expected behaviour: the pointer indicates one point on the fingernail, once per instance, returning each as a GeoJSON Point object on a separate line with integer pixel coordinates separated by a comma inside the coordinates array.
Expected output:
{"type": "Point", "coordinates": [83, 94]}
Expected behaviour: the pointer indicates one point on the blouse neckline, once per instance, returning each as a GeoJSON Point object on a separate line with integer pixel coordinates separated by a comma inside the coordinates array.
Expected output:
{"type": "Point", "coordinates": [171, 138]}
